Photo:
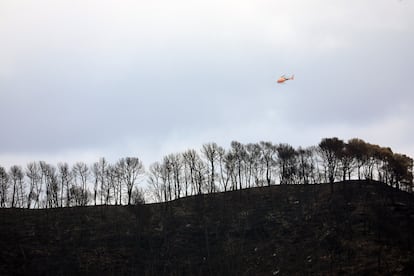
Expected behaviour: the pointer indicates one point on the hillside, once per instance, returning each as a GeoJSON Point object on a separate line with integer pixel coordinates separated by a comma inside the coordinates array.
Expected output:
{"type": "Point", "coordinates": [363, 227]}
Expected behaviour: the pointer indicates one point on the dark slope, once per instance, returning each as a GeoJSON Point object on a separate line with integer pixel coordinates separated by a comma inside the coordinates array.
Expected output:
{"type": "Point", "coordinates": [362, 228]}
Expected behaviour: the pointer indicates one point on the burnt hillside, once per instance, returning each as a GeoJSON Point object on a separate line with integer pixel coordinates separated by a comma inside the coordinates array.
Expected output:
{"type": "Point", "coordinates": [363, 227]}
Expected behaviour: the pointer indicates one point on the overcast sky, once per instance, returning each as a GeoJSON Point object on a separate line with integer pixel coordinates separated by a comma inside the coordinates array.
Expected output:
{"type": "Point", "coordinates": [83, 79]}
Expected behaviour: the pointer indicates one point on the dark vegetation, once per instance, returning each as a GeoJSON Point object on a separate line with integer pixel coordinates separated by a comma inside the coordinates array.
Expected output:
{"type": "Point", "coordinates": [352, 227]}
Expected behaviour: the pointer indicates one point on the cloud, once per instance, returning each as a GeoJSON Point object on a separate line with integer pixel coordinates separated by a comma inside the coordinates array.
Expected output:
{"type": "Point", "coordinates": [110, 77]}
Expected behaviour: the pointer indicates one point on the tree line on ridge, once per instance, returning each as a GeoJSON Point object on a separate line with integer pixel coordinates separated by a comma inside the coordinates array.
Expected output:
{"type": "Point", "coordinates": [209, 170]}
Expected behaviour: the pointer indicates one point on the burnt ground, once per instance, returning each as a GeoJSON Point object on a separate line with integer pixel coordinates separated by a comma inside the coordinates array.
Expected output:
{"type": "Point", "coordinates": [361, 228]}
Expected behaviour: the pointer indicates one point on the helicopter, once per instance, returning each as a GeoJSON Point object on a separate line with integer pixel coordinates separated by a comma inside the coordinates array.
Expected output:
{"type": "Point", "coordinates": [283, 78]}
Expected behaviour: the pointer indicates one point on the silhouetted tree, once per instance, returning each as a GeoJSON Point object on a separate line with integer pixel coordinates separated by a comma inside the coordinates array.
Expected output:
{"type": "Point", "coordinates": [226, 168]}
{"type": "Point", "coordinates": [131, 170]}
{"type": "Point", "coordinates": [369, 160]}
{"type": "Point", "coordinates": [384, 158]}
{"type": "Point", "coordinates": [81, 174]}
{"type": "Point", "coordinates": [268, 154]}
{"type": "Point", "coordinates": [49, 179]}
{"type": "Point", "coordinates": [34, 174]}
{"type": "Point", "coordinates": [305, 165]}
{"type": "Point", "coordinates": [4, 186]}
{"type": "Point", "coordinates": [358, 149]}
{"type": "Point", "coordinates": [402, 169]}
{"type": "Point", "coordinates": [239, 154]}
{"type": "Point", "coordinates": [210, 152]}
{"type": "Point", "coordinates": [187, 173]}
{"type": "Point", "coordinates": [78, 195]}
{"type": "Point", "coordinates": [167, 176]}
{"type": "Point", "coordinates": [176, 169]}
{"type": "Point", "coordinates": [105, 185]}
{"type": "Point", "coordinates": [16, 177]}
{"type": "Point", "coordinates": [113, 184]}
{"type": "Point", "coordinates": [137, 197]}
{"type": "Point", "coordinates": [346, 161]}
{"type": "Point", "coordinates": [330, 151]}
{"type": "Point", "coordinates": [287, 163]}
{"type": "Point", "coordinates": [157, 187]}
{"type": "Point", "coordinates": [65, 182]}
{"type": "Point", "coordinates": [254, 164]}
{"type": "Point", "coordinates": [200, 172]}
{"type": "Point", "coordinates": [190, 159]}
{"type": "Point", "coordinates": [53, 189]}
{"type": "Point", "coordinates": [96, 177]}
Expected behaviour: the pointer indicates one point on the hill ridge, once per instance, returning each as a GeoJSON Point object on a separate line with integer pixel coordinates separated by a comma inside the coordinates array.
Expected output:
{"type": "Point", "coordinates": [362, 227]}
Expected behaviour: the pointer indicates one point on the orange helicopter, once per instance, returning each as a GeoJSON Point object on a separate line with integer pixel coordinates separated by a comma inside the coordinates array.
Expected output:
{"type": "Point", "coordinates": [282, 79]}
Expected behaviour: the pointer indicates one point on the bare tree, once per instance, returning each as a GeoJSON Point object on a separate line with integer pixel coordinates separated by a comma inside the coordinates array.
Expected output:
{"type": "Point", "coordinates": [253, 163]}
{"type": "Point", "coordinates": [157, 187]}
{"type": "Point", "coordinates": [81, 174]}
{"type": "Point", "coordinates": [230, 171]}
{"type": "Point", "coordinates": [346, 162]}
{"type": "Point", "coordinates": [103, 166]}
{"type": "Point", "coordinates": [176, 169]}
{"type": "Point", "coordinates": [49, 180]}
{"type": "Point", "coordinates": [200, 169]}
{"type": "Point", "coordinates": [211, 152]}
{"type": "Point", "coordinates": [239, 153]}
{"type": "Point", "coordinates": [137, 196]}
{"type": "Point", "coordinates": [4, 186]}
{"type": "Point", "coordinates": [131, 170]}
{"type": "Point", "coordinates": [16, 177]}
{"type": "Point", "coordinates": [96, 177]}
{"type": "Point", "coordinates": [65, 182]}
{"type": "Point", "coordinates": [224, 179]}
{"type": "Point", "coordinates": [268, 154]}
{"type": "Point", "coordinates": [33, 172]}
{"type": "Point", "coordinates": [53, 188]}
{"type": "Point", "coordinates": [287, 163]}
{"type": "Point", "coordinates": [190, 160]}
{"type": "Point", "coordinates": [112, 181]}
{"type": "Point", "coordinates": [305, 164]}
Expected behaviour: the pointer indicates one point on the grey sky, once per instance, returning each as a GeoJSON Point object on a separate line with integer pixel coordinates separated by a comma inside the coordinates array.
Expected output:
{"type": "Point", "coordinates": [84, 79]}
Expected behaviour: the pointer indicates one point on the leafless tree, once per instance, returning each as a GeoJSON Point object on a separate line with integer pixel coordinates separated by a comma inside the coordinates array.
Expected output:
{"type": "Point", "coordinates": [230, 171]}
{"type": "Point", "coordinates": [102, 168]}
{"type": "Point", "coordinates": [4, 186]}
{"type": "Point", "coordinates": [306, 165]}
{"type": "Point", "coordinates": [96, 177]}
{"type": "Point", "coordinates": [50, 181]}
{"type": "Point", "coordinates": [33, 172]}
{"type": "Point", "coordinates": [176, 169]}
{"type": "Point", "coordinates": [190, 159]}
{"type": "Point", "coordinates": [81, 174]}
{"type": "Point", "coordinates": [268, 159]}
{"type": "Point", "coordinates": [16, 177]}
{"type": "Point", "coordinates": [131, 170]}
{"type": "Point", "coordinates": [239, 154]}
{"type": "Point", "coordinates": [157, 187]}
{"type": "Point", "coordinates": [253, 164]}
{"type": "Point", "coordinates": [224, 179]}
{"type": "Point", "coordinates": [65, 183]}
{"type": "Point", "coordinates": [112, 182]}
{"type": "Point", "coordinates": [211, 152]}
{"type": "Point", "coordinates": [137, 196]}
{"type": "Point", "coordinates": [346, 162]}
{"type": "Point", "coordinates": [286, 158]}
